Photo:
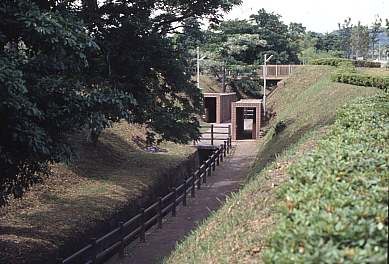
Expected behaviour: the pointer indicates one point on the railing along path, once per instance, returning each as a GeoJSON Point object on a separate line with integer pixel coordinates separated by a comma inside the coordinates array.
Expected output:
{"type": "Point", "coordinates": [126, 232]}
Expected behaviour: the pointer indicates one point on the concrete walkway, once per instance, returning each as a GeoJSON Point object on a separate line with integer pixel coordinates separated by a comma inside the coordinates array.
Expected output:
{"type": "Point", "coordinates": [227, 178]}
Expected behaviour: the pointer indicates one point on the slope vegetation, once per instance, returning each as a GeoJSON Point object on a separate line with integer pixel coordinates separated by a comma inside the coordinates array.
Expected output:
{"type": "Point", "coordinates": [82, 199]}
{"type": "Point", "coordinates": [303, 110]}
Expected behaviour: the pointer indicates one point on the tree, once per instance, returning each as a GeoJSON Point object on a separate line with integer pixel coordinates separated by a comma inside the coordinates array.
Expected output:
{"type": "Point", "coordinates": [375, 31]}
{"type": "Point", "coordinates": [138, 57]}
{"type": "Point", "coordinates": [345, 31]}
{"type": "Point", "coordinates": [42, 57]}
{"type": "Point", "coordinates": [59, 75]}
{"type": "Point", "coordinates": [360, 40]}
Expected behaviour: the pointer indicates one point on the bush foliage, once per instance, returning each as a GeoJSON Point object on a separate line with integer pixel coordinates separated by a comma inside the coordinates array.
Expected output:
{"type": "Point", "coordinates": [336, 203]}
{"type": "Point", "coordinates": [362, 79]}
{"type": "Point", "coordinates": [338, 61]}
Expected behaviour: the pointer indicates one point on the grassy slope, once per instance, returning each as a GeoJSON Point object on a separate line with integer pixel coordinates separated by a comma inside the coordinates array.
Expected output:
{"type": "Point", "coordinates": [236, 233]}
{"type": "Point", "coordinates": [104, 179]}
{"type": "Point", "coordinates": [209, 84]}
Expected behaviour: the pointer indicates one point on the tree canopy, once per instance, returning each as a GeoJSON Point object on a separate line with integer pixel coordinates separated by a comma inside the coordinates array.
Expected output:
{"type": "Point", "coordinates": [68, 65]}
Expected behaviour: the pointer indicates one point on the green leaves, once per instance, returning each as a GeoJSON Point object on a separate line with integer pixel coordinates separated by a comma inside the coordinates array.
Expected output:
{"type": "Point", "coordinates": [336, 202]}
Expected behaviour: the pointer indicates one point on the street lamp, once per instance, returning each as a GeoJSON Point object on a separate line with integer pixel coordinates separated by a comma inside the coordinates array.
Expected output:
{"type": "Point", "coordinates": [198, 66]}
{"type": "Point", "coordinates": [264, 70]}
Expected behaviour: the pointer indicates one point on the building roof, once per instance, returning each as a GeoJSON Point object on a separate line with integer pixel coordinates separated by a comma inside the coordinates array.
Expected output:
{"type": "Point", "coordinates": [249, 101]}
{"type": "Point", "coordinates": [218, 94]}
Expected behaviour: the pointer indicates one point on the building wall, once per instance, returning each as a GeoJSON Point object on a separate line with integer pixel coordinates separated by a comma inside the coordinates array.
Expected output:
{"type": "Point", "coordinates": [237, 118]}
{"type": "Point", "coordinates": [225, 107]}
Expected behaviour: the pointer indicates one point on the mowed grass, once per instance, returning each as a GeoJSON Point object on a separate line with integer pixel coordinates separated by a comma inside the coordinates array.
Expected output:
{"type": "Point", "coordinates": [237, 233]}
{"type": "Point", "coordinates": [98, 184]}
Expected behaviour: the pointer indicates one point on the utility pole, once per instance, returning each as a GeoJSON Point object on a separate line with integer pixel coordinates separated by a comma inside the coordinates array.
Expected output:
{"type": "Point", "coordinates": [264, 70]}
{"type": "Point", "coordinates": [198, 67]}
{"type": "Point", "coordinates": [198, 59]}
{"type": "Point", "coordinates": [224, 77]}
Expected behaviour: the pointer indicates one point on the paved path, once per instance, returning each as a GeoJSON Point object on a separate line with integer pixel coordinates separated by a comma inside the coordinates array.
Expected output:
{"type": "Point", "coordinates": [227, 178]}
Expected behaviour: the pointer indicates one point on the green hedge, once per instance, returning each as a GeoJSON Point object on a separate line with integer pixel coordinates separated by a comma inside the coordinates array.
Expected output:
{"type": "Point", "coordinates": [336, 203]}
{"type": "Point", "coordinates": [362, 79]}
{"type": "Point", "coordinates": [337, 61]}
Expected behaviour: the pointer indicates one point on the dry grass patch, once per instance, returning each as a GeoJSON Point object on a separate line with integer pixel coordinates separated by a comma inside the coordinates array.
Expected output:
{"type": "Point", "coordinates": [98, 184]}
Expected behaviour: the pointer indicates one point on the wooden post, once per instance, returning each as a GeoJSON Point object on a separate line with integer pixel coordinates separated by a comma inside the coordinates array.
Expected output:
{"type": "Point", "coordinates": [142, 234]}
{"type": "Point", "coordinates": [174, 202]}
{"type": "Point", "coordinates": [95, 250]}
{"type": "Point", "coordinates": [193, 190]}
{"type": "Point", "coordinates": [212, 134]}
{"type": "Point", "coordinates": [185, 189]}
{"type": "Point", "coordinates": [122, 235]}
{"type": "Point", "coordinates": [160, 216]}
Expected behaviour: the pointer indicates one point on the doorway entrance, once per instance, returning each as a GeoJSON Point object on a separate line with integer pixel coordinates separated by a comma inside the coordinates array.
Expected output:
{"type": "Point", "coordinates": [246, 119]}
{"type": "Point", "coordinates": [210, 109]}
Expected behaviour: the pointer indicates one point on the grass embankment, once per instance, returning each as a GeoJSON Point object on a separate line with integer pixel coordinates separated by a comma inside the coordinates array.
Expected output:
{"type": "Point", "coordinates": [335, 206]}
{"type": "Point", "coordinates": [103, 182]}
{"type": "Point", "coordinates": [237, 232]}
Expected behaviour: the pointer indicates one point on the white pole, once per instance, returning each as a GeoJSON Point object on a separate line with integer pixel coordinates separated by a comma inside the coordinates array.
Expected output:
{"type": "Point", "coordinates": [264, 85]}
{"type": "Point", "coordinates": [198, 67]}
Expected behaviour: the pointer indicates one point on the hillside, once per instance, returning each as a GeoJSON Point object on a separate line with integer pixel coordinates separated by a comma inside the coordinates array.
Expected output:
{"type": "Point", "coordinates": [82, 199]}
{"type": "Point", "coordinates": [303, 109]}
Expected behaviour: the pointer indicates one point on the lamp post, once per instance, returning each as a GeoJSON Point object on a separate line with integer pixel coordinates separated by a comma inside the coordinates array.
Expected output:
{"type": "Point", "coordinates": [266, 60]}
{"type": "Point", "coordinates": [198, 66]}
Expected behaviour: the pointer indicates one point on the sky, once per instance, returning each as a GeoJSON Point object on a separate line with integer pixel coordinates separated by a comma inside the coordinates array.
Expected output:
{"type": "Point", "coordinates": [316, 15]}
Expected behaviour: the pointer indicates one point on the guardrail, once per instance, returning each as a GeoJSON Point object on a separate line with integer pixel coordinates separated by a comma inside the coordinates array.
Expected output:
{"type": "Point", "coordinates": [126, 232]}
{"type": "Point", "coordinates": [212, 134]}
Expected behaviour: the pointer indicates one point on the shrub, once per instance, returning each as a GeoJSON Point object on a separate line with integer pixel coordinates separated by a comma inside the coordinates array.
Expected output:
{"type": "Point", "coordinates": [337, 61]}
{"type": "Point", "coordinates": [362, 79]}
{"type": "Point", "coordinates": [335, 206]}
{"type": "Point", "coordinates": [279, 127]}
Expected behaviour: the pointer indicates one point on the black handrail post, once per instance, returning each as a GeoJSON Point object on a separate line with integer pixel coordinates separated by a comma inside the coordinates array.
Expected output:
{"type": "Point", "coordinates": [221, 152]}
{"type": "Point", "coordinates": [174, 201]}
{"type": "Point", "coordinates": [142, 234]}
{"type": "Point", "coordinates": [193, 190]}
{"type": "Point", "coordinates": [122, 235]}
{"type": "Point", "coordinates": [225, 148]}
{"type": "Point", "coordinates": [212, 134]}
{"type": "Point", "coordinates": [185, 189]}
{"type": "Point", "coordinates": [160, 216]}
{"type": "Point", "coordinates": [229, 130]}
{"type": "Point", "coordinates": [218, 157]}
{"type": "Point", "coordinates": [205, 174]}
{"type": "Point", "coordinates": [214, 161]}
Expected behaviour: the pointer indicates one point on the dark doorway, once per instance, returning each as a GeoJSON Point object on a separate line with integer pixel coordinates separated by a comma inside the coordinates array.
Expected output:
{"type": "Point", "coordinates": [245, 123]}
{"type": "Point", "coordinates": [210, 109]}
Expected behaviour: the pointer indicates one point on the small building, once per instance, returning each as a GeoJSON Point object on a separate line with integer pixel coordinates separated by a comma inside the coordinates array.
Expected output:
{"type": "Point", "coordinates": [246, 119]}
{"type": "Point", "coordinates": [218, 107]}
